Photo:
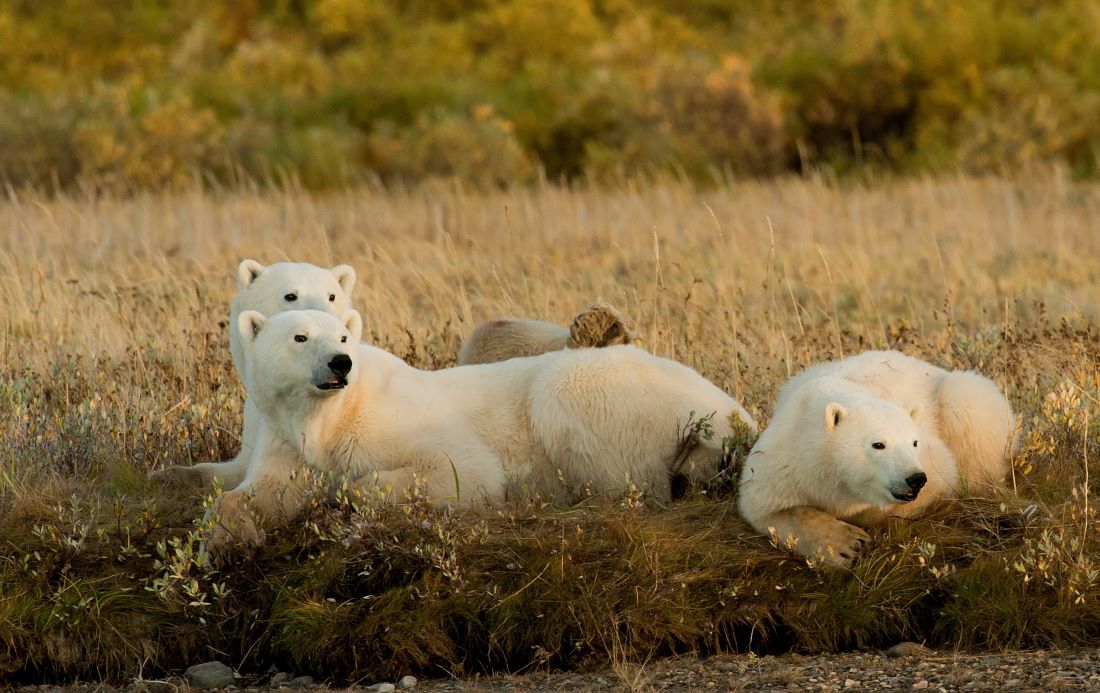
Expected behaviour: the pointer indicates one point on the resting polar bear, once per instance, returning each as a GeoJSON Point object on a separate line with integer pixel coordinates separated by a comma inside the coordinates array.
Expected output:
{"type": "Point", "coordinates": [272, 289]}
{"type": "Point", "coordinates": [598, 325]}
{"type": "Point", "coordinates": [874, 435]}
{"type": "Point", "coordinates": [559, 423]}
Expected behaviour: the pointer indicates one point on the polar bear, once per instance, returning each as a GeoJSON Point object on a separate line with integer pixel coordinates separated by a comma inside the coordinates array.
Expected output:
{"type": "Point", "coordinates": [271, 289]}
{"type": "Point", "coordinates": [875, 435]}
{"type": "Point", "coordinates": [599, 325]}
{"type": "Point", "coordinates": [559, 424]}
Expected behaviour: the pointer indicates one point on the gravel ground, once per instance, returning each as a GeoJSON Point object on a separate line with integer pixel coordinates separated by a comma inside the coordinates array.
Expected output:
{"type": "Point", "coordinates": [1064, 670]}
{"type": "Point", "coordinates": [1061, 670]}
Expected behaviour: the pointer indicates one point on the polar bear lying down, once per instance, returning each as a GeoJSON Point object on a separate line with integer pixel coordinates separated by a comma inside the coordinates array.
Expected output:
{"type": "Point", "coordinates": [557, 424]}
{"type": "Point", "coordinates": [271, 289]}
{"type": "Point", "coordinates": [872, 436]}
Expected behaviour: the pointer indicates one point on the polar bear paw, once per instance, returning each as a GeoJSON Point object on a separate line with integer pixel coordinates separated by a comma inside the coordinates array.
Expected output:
{"type": "Point", "coordinates": [231, 527]}
{"type": "Point", "coordinates": [838, 543]}
{"type": "Point", "coordinates": [179, 477]}
{"type": "Point", "coordinates": [600, 325]}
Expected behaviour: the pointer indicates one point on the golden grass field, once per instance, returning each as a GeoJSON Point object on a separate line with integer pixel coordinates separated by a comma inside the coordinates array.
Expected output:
{"type": "Point", "coordinates": [114, 361]}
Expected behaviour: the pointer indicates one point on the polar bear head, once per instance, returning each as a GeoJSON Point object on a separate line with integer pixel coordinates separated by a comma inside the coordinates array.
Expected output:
{"type": "Point", "coordinates": [875, 447]}
{"type": "Point", "coordinates": [297, 356]}
{"type": "Point", "coordinates": [287, 286]}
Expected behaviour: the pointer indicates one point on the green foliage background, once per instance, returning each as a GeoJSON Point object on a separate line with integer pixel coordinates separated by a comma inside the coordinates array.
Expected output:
{"type": "Point", "coordinates": [151, 93]}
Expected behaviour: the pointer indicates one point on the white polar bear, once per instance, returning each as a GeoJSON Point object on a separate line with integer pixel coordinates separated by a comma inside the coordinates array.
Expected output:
{"type": "Point", "coordinates": [556, 424]}
{"type": "Point", "coordinates": [272, 289]}
{"type": "Point", "coordinates": [599, 325]}
{"type": "Point", "coordinates": [874, 435]}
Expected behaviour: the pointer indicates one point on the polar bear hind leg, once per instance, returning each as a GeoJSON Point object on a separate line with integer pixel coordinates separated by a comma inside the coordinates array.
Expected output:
{"type": "Point", "coordinates": [616, 417]}
{"type": "Point", "coordinates": [978, 426]}
{"type": "Point", "coordinates": [509, 338]}
{"type": "Point", "coordinates": [599, 325]}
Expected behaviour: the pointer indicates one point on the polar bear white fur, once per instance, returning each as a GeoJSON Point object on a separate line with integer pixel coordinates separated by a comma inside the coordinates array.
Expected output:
{"type": "Point", "coordinates": [875, 435]}
{"type": "Point", "coordinates": [271, 289]}
{"type": "Point", "coordinates": [558, 424]}
{"type": "Point", "coordinates": [599, 325]}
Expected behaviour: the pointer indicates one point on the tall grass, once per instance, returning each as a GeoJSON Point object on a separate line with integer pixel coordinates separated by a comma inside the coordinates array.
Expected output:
{"type": "Point", "coordinates": [114, 361]}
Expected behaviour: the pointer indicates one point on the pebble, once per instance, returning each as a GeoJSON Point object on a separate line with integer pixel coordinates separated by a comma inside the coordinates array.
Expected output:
{"type": "Point", "coordinates": [280, 677]}
{"type": "Point", "coordinates": [382, 688]}
{"type": "Point", "coordinates": [302, 682]}
{"type": "Point", "coordinates": [907, 649]}
{"type": "Point", "coordinates": [210, 675]}
{"type": "Point", "coordinates": [920, 685]}
{"type": "Point", "coordinates": [407, 683]}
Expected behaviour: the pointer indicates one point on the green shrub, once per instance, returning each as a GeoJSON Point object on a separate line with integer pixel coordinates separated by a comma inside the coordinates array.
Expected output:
{"type": "Point", "coordinates": [598, 88]}
{"type": "Point", "coordinates": [479, 147]}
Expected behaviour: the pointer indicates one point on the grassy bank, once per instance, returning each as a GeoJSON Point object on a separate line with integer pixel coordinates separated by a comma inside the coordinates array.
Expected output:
{"type": "Point", "coordinates": [113, 361]}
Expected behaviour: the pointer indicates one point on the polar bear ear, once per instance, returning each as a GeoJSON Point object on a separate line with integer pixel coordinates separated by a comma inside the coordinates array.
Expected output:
{"type": "Point", "coordinates": [247, 272]}
{"type": "Point", "coordinates": [353, 323]}
{"type": "Point", "coordinates": [914, 409]}
{"type": "Point", "coordinates": [345, 277]}
{"type": "Point", "coordinates": [834, 413]}
{"type": "Point", "coordinates": [249, 324]}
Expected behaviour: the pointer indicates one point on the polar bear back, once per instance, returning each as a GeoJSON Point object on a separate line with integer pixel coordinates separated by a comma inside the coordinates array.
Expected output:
{"type": "Point", "coordinates": [891, 375]}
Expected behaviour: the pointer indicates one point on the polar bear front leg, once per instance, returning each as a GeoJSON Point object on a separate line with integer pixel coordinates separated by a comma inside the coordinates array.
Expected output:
{"type": "Point", "coordinates": [815, 533]}
{"type": "Point", "coordinates": [272, 493]}
{"type": "Point", "coordinates": [231, 472]}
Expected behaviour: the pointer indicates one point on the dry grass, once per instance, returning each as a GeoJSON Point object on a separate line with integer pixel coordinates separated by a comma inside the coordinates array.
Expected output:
{"type": "Point", "coordinates": [113, 361]}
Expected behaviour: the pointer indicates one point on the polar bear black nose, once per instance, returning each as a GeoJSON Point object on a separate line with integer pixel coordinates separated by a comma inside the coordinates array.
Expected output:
{"type": "Point", "coordinates": [917, 481]}
{"type": "Point", "coordinates": [340, 365]}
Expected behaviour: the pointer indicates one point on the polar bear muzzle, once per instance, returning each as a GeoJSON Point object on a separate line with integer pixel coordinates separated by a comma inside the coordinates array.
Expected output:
{"type": "Point", "coordinates": [915, 482]}
{"type": "Point", "coordinates": [340, 365]}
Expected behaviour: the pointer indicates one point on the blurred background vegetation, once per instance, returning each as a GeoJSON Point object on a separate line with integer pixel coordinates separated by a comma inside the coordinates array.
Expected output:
{"type": "Point", "coordinates": [157, 93]}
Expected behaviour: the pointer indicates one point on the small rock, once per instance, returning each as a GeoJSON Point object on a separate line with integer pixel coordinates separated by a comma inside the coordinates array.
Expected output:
{"type": "Point", "coordinates": [302, 682]}
{"type": "Point", "coordinates": [907, 649]}
{"type": "Point", "coordinates": [920, 685]}
{"type": "Point", "coordinates": [851, 683]}
{"type": "Point", "coordinates": [209, 675]}
{"type": "Point", "coordinates": [407, 683]}
{"type": "Point", "coordinates": [280, 677]}
{"type": "Point", "coordinates": [382, 688]}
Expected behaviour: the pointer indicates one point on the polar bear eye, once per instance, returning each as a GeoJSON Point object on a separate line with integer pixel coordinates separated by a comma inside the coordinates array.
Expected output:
{"type": "Point", "coordinates": [344, 339]}
{"type": "Point", "coordinates": [300, 338]}
{"type": "Point", "coordinates": [291, 297]}
{"type": "Point", "coordinates": [331, 298]}
{"type": "Point", "coordinates": [914, 443]}
{"type": "Point", "coordinates": [878, 446]}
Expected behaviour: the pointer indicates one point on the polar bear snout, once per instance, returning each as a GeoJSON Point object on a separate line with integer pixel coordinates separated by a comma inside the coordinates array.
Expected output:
{"type": "Point", "coordinates": [917, 481]}
{"type": "Point", "coordinates": [339, 367]}
{"type": "Point", "coordinates": [914, 483]}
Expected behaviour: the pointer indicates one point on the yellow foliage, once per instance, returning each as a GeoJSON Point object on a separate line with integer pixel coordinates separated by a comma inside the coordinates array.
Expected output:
{"type": "Point", "coordinates": [296, 73]}
{"type": "Point", "coordinates": [345, 19]}
{"type": "Point", "coordinates": [574, 86]}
